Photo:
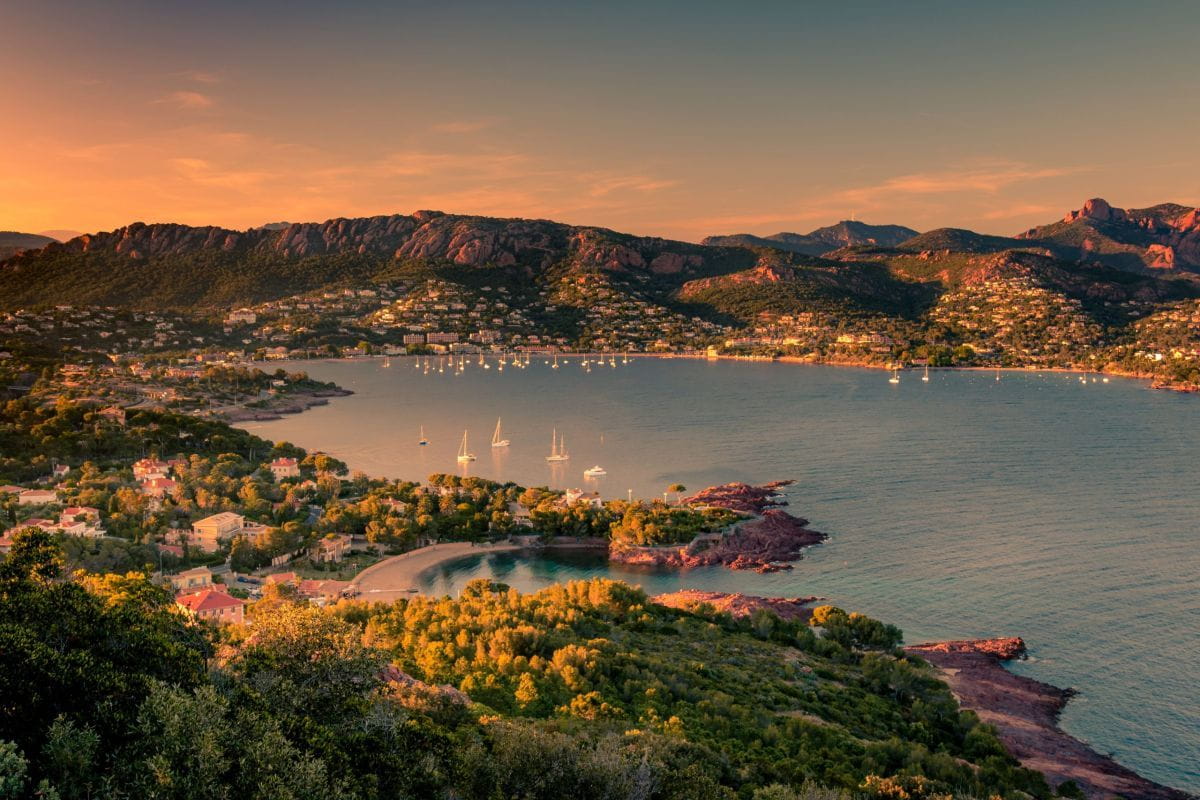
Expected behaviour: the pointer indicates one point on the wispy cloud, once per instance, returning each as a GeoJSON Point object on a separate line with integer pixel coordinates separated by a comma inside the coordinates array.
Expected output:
{"type": "Point", "coordinates": [202, 172]}
{"type": "Point", "coordinates": [1020, 210]}
{"type": "Point", "coordinates": [199, 76]}
{"type": "Point", "coordinates": [606, 185]}
{"type": "Point", "coordinates": [462, 126]}
{"type": "Point", "coordinates": [188, 100]}
{"type": "Point", "coordinates": [990, 178]}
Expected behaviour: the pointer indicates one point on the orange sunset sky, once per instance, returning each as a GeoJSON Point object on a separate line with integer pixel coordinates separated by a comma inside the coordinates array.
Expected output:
{"type": "Point", "coordinates": [676, 119]}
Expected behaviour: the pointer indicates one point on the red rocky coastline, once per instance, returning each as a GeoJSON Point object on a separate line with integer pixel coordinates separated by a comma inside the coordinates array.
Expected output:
{"type": "Point", "coordinates": [1025, 714]}
{"type": "Point", "coordinates": [767, 542]}
{"type": "Point", "coordinates": [739, 605]}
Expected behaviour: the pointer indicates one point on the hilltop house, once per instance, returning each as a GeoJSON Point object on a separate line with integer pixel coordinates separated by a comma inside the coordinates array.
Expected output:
{"type": "Point", "coordinates": [212, 605]}
{"type": "Point", "coordinates": [210, 532]}
{"type": "Point", "coordinates": [285, 468]}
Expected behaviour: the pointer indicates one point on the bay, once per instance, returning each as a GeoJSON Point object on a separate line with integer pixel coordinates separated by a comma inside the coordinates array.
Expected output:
{"type": "Point", "coordinates": [1036, 505]}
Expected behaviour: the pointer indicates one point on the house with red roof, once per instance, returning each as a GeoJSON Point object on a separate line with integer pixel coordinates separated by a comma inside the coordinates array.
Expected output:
{"type": "Point", "coordinates": [285, 468]}
{"type": "Point", "coordinates": [212, 605]}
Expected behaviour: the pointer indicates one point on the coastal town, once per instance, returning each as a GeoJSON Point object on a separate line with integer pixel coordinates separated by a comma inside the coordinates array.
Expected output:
{"type": "Point", "coordinates": [207, 363]}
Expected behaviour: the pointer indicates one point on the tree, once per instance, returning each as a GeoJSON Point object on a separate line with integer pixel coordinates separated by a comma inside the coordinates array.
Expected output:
{"type": "Point", "coordinates": [678, 489]}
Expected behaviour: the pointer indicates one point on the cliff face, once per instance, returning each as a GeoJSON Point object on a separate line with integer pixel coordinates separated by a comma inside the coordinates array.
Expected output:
{"type": "Point", "coordinates": [1165, 236]}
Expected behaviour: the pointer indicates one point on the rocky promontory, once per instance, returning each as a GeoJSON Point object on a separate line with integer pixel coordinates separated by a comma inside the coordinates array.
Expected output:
{"type": "Point", "coordinates": [767, 541]}
{"type": "Point", "coordinates": [739, 605]}
{"type": "Point", "coordinates": [1025, 714]}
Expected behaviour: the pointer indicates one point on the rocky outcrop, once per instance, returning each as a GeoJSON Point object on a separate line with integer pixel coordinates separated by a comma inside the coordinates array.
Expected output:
{"type": "Point", "coordinates": [741, 496]}
{"type": "Point", "coordinates": [1166, 236]}
{"type": "Point", "coordinates": [1025, 714]}
{"type": "Point", "coordinates": [767, 542]}
{"type": "Point", "coordinates": [397, 677]}
{"type": "Point", "coordinates": [739, 605]}
{"type": "Point", "coordinates": [430, 235]}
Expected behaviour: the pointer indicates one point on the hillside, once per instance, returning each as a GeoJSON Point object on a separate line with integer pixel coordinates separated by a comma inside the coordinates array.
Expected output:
{"type": "Point", "coordinates": [586, 689]}
{"type": "Point", "coordinates": [432, 283]}
{"type": "Point", "coordinates": [821, 240]}
{"type": "Point", "coordinates": [179, 266]}
{"type": "Point", "coordinates": [12, 242]}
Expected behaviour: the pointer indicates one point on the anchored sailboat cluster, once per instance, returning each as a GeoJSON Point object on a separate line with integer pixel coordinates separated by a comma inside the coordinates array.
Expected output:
{"type": "Point", "coordinates": [458, 364]}
{"type": "Point", "coordinates": [558, 449]}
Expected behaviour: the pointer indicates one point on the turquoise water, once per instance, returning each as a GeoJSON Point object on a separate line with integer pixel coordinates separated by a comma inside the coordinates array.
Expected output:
{"type": "Point", "coordinates": [1037, 506]}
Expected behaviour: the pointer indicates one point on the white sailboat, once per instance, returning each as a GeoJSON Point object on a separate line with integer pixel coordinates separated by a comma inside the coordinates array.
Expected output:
{"type": "Point", "coordinates": [423, 441]}
{"type": "Point", "coordinates": [895, 376]}
{"type": "Point", "coordinates": [463, 455]}
{"type": "Point", "coordinates": [496, 440]}
{"type": "Point", "coordinates": [558, 448]}
{"type": "Point", "coordinates": [925, 377]}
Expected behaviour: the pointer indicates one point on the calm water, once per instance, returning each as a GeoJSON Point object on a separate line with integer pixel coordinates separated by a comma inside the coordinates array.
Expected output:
{"type": "Point", "coordinates": [1031, 506]}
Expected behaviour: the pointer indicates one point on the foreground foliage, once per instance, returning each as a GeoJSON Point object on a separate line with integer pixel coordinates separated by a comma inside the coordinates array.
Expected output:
{"type": "Point", "coordinates": [584, 690]}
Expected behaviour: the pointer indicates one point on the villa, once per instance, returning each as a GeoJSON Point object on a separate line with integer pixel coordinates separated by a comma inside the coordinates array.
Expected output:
{"type": "Point", "coordinates": [213, 605]}
{"type": "Point", "coordinates": [210, 532]}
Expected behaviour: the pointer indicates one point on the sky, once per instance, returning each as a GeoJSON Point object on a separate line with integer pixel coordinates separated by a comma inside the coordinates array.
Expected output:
{"type": "Point", "coordinates": [679, 119]}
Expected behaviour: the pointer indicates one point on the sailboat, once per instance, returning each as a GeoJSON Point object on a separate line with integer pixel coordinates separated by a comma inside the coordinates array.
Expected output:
{"type": "Point", "coordinates": [463, 456]}
{"type": "Point", "coordinates": [925, 377]}
{"type": "Point", "coordinates": [997, 373]}
{"type": "Point", "coordinates": [387, 362]}
{"type": "Point", "coordinates": [895, 376]}
{"type": "Point", "coordinates": [555, 364]}
{"type": "Point", "coordinates": [558, 448]}
{"type": "Point", "coordinates": [423, 441]}
{"type": "Point", "coordinates": [496, 440]}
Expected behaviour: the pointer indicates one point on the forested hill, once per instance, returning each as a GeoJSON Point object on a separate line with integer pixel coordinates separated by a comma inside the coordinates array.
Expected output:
{"type": "Point", "coordinates": [168, 265]}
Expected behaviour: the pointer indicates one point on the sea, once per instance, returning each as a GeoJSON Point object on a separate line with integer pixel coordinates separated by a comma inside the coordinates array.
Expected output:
{"type": "Point", "coordinates": [1054, 506]}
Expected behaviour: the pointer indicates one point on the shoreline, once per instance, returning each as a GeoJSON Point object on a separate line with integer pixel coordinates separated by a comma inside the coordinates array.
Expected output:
{"type": "Point", "coordinates": [396, 576]}
{"type": "Point", "coordinates": [1025, 713]}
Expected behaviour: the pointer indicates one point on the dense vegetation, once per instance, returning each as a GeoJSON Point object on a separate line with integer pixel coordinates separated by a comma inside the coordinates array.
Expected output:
{"type": "Point", "coordinates": [585, 690]}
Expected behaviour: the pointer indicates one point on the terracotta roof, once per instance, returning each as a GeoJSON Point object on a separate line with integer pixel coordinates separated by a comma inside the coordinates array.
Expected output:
{"type": "Point", "coordinates": [282, 577]}
{"type": "Point", "coordinates": [315, 587]}
{"type": "Point", "coordinates": [208, 600]}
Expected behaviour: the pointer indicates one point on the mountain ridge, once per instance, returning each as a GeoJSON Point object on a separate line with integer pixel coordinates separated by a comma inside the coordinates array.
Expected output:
{"type": "Point", "coordinates": [819, 241]}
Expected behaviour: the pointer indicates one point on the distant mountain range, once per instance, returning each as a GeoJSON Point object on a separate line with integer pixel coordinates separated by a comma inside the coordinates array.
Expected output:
{"type": "Point", "coordinates": [872, 268]}
{"type": "Point", "coordinates": [12, 242]}
{"type": "Point", "coordinates": [822, 240]}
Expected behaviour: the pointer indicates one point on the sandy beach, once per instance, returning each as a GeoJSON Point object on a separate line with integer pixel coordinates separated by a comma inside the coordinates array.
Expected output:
{"type": "Point", "coordinates": [397, 576]}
